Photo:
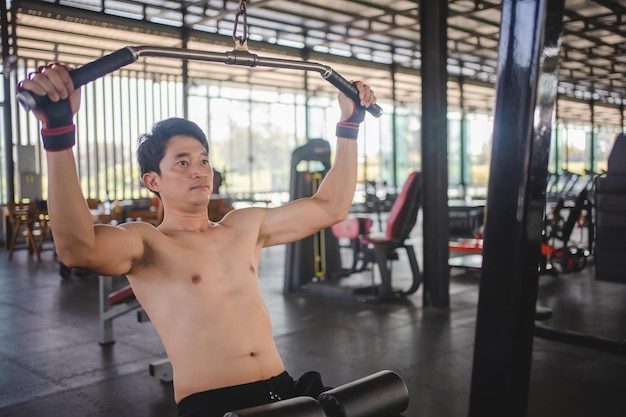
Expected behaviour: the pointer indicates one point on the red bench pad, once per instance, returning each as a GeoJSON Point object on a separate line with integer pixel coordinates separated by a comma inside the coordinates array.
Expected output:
{"type": "Point", "coordinates": [122, 295]}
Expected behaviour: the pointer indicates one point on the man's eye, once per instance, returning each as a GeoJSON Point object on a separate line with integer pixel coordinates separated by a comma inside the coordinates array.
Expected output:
{"type": "Point", "coordinates": [205, 161]}
{"type": "Point", "coordinates": [183, 162]}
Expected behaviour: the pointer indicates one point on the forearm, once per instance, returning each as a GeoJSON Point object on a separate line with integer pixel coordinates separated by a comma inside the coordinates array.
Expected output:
{"type": "Point", "coordinates": [336, 191]}
{"type": "Point", "coordinates": [71, 221]}
{"type": "Point", "coordinates": [331, 203]}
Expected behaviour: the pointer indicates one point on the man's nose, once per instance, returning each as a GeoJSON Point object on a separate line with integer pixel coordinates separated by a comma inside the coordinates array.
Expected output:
{"type": "Point", "coordinates": [199, 170]}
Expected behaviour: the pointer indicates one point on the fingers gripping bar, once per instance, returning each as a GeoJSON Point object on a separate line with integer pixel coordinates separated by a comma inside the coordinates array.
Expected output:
{"type": "Point", "coordinates": [125, 56]}
{"type": "Point", "coordinates": [83, 75]}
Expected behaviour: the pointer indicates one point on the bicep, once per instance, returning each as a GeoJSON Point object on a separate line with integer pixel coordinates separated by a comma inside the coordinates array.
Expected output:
{"type": "Point", "coordinates": [293, 221]}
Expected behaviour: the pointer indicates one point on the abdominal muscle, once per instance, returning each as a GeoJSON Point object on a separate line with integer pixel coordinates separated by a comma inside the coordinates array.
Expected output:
{"type": "Point", "coordinates": [214, 337]}
{"type": "Point", "coordinates": [219, 369]}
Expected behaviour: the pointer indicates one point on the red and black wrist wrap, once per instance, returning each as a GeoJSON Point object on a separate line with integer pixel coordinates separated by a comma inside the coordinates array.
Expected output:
{"type": "Point", "coordinates": [60, 132]}
{"type": "Point", "coordinates": [58, 138]}
{"type": "Point", "coordinates": [349, 128]}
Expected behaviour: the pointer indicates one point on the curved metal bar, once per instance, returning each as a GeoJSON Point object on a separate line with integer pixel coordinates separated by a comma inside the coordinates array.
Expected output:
{"type": "Point", "coordinates": [234, 57]}
{"type": "Point", "coordinates": [241, 57]}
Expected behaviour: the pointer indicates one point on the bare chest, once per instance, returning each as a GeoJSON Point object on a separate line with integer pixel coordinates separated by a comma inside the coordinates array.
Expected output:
{"type": "Point", "coordinates": [198, 266]}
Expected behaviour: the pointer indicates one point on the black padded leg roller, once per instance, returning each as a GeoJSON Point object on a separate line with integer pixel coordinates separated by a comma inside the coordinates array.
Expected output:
{"type": "Point", "coordinates": [293, 407]}
{"type": "Point", "coordinates": [383, 394]}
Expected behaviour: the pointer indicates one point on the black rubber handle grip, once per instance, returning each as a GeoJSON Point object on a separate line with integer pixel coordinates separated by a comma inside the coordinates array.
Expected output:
{"type": "Point", "coordinates": [351, 91]}
{"type": "Point", "coordinates": [85, 74]}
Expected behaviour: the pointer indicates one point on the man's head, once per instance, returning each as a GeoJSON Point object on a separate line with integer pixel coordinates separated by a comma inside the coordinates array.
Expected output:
{"type": "Point", "coordinates": [151, 146]}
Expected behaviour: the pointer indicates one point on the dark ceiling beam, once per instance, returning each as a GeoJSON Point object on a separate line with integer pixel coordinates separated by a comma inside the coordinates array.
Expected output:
{"type": "Point", "coordinates": [566, 48]}
{"type": "Point", "coordinates": [273, 21]}
{"type": "Point", "coordinates": [590, 24]}
{"type": "Point", "coordinates": [222, 12]}
{"type": "Point", "coordinates": [617, 7]}
{"type": "Point", "coordinates": [383, 12]}
{"type": "Point", "coordinates": [479, 6]}
{"type": "Point", "coordinates": [65, 12]}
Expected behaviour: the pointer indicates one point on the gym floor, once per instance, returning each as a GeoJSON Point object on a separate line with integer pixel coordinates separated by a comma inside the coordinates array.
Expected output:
{"type": "Point", "coordinates": [51, 363]}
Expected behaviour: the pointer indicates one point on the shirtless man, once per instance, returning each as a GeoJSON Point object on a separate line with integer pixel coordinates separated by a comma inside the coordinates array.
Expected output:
{"type": "Point", "coordinates": [196, 279]}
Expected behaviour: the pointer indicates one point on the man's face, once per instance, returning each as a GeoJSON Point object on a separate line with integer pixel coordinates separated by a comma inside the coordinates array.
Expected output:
{"type": "Point", "coordinates": [186, 174]}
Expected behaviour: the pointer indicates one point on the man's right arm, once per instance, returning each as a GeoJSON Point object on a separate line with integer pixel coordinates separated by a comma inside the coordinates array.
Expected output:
{"type": "Point", "coordinates": [105, 250]}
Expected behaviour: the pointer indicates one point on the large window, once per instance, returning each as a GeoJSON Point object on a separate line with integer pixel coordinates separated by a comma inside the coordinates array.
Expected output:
{"type": "Point", "coordinates": [479, 131]}
{"type": "Point", "coordinates": [604, 139]}
{"type": "Point", "coordinates": [253, 131]}
{"type": "Point", "coordinates": [408, 146]}
{"type": "Point", "coordinates": [579, 148]}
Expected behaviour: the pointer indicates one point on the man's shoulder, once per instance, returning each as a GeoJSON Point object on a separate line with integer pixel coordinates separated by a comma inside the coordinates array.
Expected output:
{"type": "Point", "coordinates": [147, 232]}
{"type": "Point", "coordinates": [242, 215]}
{"type": "Point", "coordinates": [139, 227]}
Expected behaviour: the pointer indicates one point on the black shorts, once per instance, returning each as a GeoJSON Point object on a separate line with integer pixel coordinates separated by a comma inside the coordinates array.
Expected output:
{"type": "Point", "coordinates": [217, 402]}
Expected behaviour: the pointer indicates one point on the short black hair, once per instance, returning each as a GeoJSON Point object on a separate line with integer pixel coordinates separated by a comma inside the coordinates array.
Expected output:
{"type": "Point", "coordinates": [151, 146]}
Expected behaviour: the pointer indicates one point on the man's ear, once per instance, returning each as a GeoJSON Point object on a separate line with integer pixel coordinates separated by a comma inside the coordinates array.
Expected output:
{"type": "Point", "coordinates": [151, 181]}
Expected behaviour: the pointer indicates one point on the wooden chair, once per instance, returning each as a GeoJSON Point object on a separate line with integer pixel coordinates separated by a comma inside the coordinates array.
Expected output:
{"type": "Point", "coordinates": [93, 203]}
{"type": "Point", "coordinates": [29, 223]}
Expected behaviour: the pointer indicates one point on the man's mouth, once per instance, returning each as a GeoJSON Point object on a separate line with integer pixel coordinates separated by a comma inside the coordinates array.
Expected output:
{"type": "Point", "coordinates": [200, 187]}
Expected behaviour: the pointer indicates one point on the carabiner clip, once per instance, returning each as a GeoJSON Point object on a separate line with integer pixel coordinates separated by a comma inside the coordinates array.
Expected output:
{"type": "Point", "coordinates": [241, 42]}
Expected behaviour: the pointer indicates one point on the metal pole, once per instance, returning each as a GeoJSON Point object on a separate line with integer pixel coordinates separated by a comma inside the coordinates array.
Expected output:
{"type": "Point", "coordinates": [307, 107]}
{"type": "Point", "coordinates": [251, 153]}
{"type": "Point", "coordinates": [433, 20]}
{"type": "Point", "coordinates": [305, 54]}
{"type": "Point", "coordinates": [524, 112]}
{"type": "Point", "coordinates": [591, 143]}
{"type": "Point", "coordinates": [394, 129]}
{"type": "Point", "coordinates": [463, 138]}
{"type": "Point", "coordinates": [184, 35]}
{"type": "Point", "coordinates": [6, 108]}
{"type": "Point", "coordinates": [557, 139]}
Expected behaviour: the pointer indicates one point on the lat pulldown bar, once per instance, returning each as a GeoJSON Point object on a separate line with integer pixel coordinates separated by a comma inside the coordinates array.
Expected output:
{"type": "Point", "coordinates": [129, 54]}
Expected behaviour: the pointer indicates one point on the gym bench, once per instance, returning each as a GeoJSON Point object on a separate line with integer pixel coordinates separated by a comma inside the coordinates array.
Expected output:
{"type": "Point", "coordinates": [117, 303]}
{"type": "Point", "coordinates": [383, 394]}
{"type": "Point", "coordinates": [112, 305]}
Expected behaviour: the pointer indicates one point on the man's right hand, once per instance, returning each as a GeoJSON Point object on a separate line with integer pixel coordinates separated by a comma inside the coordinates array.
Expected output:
{"type": "Point", "coordinates": [54, 82]}
{"type": "Point", "coordinates": [352, 114]}
{"type": "Point", "coordinates": [57, 113]}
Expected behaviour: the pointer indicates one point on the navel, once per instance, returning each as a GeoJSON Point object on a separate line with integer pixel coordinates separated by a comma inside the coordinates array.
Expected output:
{"type": "Point", "coordinates": [252, 354]}
{"type": "Point", "coordinates": [252, 269]}
{"type": "Point", "coordinates": [196, 278]}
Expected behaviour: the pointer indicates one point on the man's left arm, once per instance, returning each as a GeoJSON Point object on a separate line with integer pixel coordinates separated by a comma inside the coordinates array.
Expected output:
{"type": "Point", "coordinates": [331, 203]}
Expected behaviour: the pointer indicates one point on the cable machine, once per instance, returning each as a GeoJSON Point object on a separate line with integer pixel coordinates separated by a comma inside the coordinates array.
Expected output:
{"type": "Point", "coordinates": [239, 56]}
{"type": "Point", "coordinates": [316, 257]}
